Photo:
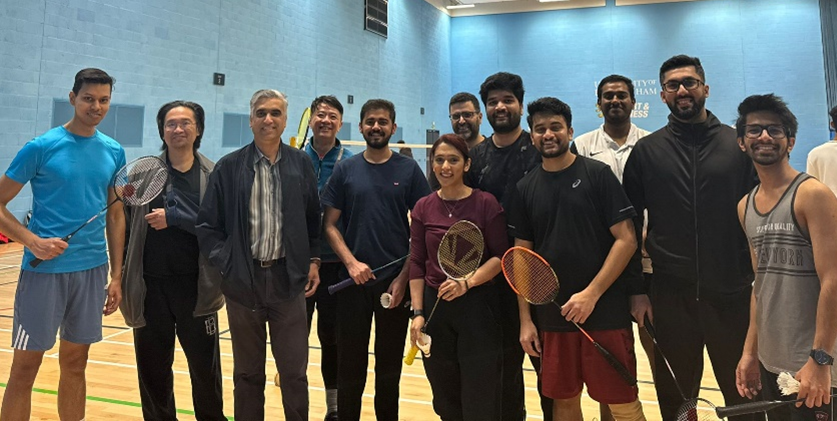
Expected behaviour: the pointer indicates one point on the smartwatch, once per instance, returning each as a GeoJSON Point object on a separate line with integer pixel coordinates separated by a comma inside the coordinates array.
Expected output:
{"type": "Point", "coordinates": [821, 357]}
{"type": "Point", "coordinates": [417, 312]}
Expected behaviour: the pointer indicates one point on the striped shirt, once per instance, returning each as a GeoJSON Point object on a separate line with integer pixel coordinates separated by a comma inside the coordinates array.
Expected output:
{"type": "Point", "coordinates": [266, 209]}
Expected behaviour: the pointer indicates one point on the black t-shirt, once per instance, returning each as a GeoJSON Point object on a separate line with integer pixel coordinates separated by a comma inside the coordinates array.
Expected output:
{"type": "Point", "coordinates": [173, 252]}
{"type": "Point", "coordinates": [568, 215]}
{"type": "Point", "coordinates": [497, 170]}
{"type": "Point", "coordinates": [374, 200]}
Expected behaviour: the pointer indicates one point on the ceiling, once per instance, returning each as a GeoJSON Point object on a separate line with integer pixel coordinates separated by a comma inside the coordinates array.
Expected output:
{"type": "Point", "coordinates": [493, 7]}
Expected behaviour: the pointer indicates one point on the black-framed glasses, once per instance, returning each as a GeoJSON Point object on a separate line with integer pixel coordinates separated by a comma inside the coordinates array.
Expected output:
{"type": "Point", "coordinates": [467, 115]}
{"type": "Point", "coordinates": [173, 125]}
{"type": "Point", "coordinates": [688, 83]}
{"type": "Point", "coordinates": [753, 131]}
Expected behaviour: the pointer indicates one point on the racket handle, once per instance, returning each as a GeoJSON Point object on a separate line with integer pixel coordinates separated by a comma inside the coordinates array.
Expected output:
{"type": "Point", "coordinates": [35, 262]}
{"type": "Point", "coordinates": [749, 408]}
{"type": "Point", "coordinates": [340, 286]}
{"type": "Point", "coordinates": [623, 372]}
{"type": "Point", "coordinates": [411, 355]}
{"type": "Point", "coordinates": [650, 328]}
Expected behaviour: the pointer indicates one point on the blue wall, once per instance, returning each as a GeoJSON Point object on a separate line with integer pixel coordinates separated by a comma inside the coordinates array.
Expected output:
{"type": "Point", "coordinates": [747, 47]}
{"type": "Point", "coordinates": [161, 50]}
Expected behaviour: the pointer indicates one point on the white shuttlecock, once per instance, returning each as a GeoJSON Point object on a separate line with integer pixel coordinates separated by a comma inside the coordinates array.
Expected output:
{"type": "Point", "coordinates": [386, 300]}
{"type": "Point", "coordinates": [424, 343]}
{"type": "Point", "coordinates": [787, 384]}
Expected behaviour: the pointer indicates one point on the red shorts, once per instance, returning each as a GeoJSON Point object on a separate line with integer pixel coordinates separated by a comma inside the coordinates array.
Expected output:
{"type": "Point", "coordinates": [569, 361]}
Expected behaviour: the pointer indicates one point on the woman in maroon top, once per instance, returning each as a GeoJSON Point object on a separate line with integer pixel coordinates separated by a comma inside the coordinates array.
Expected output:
{"type": "Point", "coordinates": [465, 367]}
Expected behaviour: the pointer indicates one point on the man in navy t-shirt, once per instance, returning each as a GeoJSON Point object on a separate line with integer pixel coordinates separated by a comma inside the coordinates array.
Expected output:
{"type": "Point", "coordinates": [370, 195]}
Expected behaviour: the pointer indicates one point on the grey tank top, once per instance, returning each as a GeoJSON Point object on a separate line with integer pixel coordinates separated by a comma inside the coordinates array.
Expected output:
{"type": "Point", "coordinates": [787, 287]}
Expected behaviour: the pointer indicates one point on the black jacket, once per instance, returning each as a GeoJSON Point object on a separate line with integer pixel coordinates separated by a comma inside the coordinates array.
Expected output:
{"type": "Point", "coordinates": [223, 227]}
{"type": "Point", "coordinates": [690, 178]}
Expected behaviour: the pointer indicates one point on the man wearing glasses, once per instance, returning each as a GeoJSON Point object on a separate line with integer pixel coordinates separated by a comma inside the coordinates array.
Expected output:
{"type": "Point", "coordinates": [689, 176]}
{"type": "Point", "coordinates": [465, 120]}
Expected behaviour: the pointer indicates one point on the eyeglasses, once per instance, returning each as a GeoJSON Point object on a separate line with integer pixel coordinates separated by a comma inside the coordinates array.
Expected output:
{"type": "Point", "coordinates": [753, 131]}
{"type": "Point", "coordinates": [173, 125]}
{"type": "Point", "coordinates": [688, 83]}
{"type": "Point", "coordinates": [467, 115]}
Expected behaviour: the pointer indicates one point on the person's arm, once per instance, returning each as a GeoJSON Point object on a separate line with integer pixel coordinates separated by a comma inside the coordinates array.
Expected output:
{"type": "Point", "coordinates": [418, 270]}
{"type": "Point", "coordinates": [633, 186]}
{"type": "Point", "coordinates": [529, 339]}
{"type": "Point", "coordinates": [42, 248]}
{"type": "Point", "coordinates": [313, 219]}
{"type": "Point", "coordinates": [115, 230]}
{"type": "Point", "coordinates": [359, 271]}
{"type": "Point", "coordinates": [581, 304]}
{"type": "Point", "coordinates": [210, 225]}
{"type": "Point", "coordinates": [747, 375]}
{"type": "Point", "coordinates": [816, 210]}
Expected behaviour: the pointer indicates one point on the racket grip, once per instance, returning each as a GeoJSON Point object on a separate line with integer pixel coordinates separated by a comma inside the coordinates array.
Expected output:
{"type": "Point", "coordinates": [340, 286]}
{"type": "Point", "coordinates": [623, 372]}
{"type": "Point", "coordinates": [748, 408]}
{"type": "Point", "coordinates": [411, 355]}
{"type": "Point", "coordinates": [650, 328]}
{"type": "Point", "coordinates": [35, 262]}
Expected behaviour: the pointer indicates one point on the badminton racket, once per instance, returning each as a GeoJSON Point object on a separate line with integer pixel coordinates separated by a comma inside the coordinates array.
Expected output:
{"type": "Point", "coordinates": [333, 289]}
{"type": "Point", "coordinates": [531, 277]}
{"type": "Point", "coordinates": [697, 409]}
{"type": "Point", "coordinates": [753, 407]}
{"type": "Point", "coordinates": [653, 334]}
{"type": "Point", "coordinates": [298, 141]}
{"type": "Point", "coordinates": [459, 256]}
{"type": "Point", "coordinates": [135, 184]}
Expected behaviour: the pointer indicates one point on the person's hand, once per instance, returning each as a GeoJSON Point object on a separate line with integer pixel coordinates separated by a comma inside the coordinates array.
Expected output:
{"type": "Point", "coordinates": [397, 289]}
{"type": "Point", "coordinates": [360, 272]}
{"type": "Point", "coordinates": [578, 307]}
{"type": "Point", "coordinates": [415, 330]}
{"type": "Point", "coordinates": [451, 290]}
{"type": "Point", "coordinates": [814, 384]}
{"type": "Point", "coordinates": [640, 308]}
{"type": "Point", "coordinates": [747, 376]}
{"type": "Point", "coordinates": [529, 339]}
{"type": "Point", "coordinates": [157, 219]}
{"type": "Point", "coordinates": [48, 248]}
{"type": "Point", "coordinates": [114, 297]}
{"type": "Point", "coordinates": [313, 280]}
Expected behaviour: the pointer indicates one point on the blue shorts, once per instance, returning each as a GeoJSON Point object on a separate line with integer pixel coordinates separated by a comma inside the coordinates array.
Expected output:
{"type": "Point", "coordinates": [47, 302]}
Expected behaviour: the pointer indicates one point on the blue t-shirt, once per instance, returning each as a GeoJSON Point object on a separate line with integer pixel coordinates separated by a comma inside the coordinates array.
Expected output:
{"type": "Point", "coordinates": [70, 176]}
{"type": "Point", "coordinates": [374, 200]}
{"type": "Point", "coordinates": [324, 168]}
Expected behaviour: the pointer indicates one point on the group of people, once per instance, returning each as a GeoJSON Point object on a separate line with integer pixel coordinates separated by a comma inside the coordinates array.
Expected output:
{"type": "Point", "coordinates": [701, 229]}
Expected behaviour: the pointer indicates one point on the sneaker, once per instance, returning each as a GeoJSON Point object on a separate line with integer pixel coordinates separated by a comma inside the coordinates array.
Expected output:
{"type": "Point", "coordinates": [331, 416]}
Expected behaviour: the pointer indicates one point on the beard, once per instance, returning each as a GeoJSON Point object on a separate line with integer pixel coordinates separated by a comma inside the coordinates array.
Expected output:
{"type": "Point", "coordinates": [468, 131]}
{"type": "Point", "coordinates": [688, 112]}
{"type": "Point", "coordinates": [616, 117]}
{"type": "Point", "coordinates": [767, 160]}
{"type": "Point", "coordinates": [511, 123]}
{"type": "Point", "coordinates": [561, 149]}
{"type": "Point", "coordinates": [380, 143]}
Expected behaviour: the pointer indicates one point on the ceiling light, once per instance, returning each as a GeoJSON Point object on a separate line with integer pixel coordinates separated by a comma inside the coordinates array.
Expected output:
{"type": "Point", "coordinates": [550, 1]}
{"type": "Point", "coordinates": [460, 6]}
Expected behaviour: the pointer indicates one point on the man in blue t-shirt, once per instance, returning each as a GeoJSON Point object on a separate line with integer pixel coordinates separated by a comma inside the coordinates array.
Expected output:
{"type": "Point", "coordinates": [70, 169]}
{"type": "Point", "coordinates": [372, 192]}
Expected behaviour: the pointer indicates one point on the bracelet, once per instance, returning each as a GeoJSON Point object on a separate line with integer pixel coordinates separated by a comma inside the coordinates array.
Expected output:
{"type": "Point", "coordinates": [467, 287]}
{"type": "Point", "coordinates": [317, 261]}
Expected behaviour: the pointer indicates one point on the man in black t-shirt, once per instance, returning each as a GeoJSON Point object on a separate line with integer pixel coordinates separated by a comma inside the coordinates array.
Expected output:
{"type": "Point", "coordinates": [497, 163]}
{"type": "Point", "coordinates": [370, 194]}
{"type": "Point", "coordinates": [573, 211]}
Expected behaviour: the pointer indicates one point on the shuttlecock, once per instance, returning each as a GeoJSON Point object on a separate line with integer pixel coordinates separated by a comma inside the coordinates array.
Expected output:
{"type": "Point", "coordinates": [787, 384]}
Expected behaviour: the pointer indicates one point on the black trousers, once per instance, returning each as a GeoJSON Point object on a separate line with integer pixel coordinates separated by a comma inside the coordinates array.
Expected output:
{"type": "Point", "coordinates": [465, 363]}
{"type": "Point", "coordinates": [326, 305]}
{"type": "Point", "coordinates": [357, 306]}
{"type": "Point", "coordinates": [168, 313]}
{"type": "Point", "coordinates": [770, 392]}
{"type": "Point", "coordinates": [685, 325]}
{"type": "Point", "coordinates": [285, 318]}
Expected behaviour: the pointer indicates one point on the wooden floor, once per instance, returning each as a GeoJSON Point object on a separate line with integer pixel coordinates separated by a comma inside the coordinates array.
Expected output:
{"type": "Point", "coordinates": [112, 380]}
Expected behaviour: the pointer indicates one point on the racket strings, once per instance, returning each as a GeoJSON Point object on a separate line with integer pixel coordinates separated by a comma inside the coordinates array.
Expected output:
{"type": "Point", "coordinates": [696, 410]}
{"type": "Point", "coordinates": [530, 276]}
{"type": "Point", "coordinates": [140, 182]}
{"type": "Point", "coordinates": [460, 251]}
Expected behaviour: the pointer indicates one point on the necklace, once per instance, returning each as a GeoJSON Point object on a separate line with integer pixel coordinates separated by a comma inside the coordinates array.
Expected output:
{"type": "Point", "coordinates": [449, 209]}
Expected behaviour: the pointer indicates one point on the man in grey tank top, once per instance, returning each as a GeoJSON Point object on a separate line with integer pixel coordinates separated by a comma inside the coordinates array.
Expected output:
{"type": "Point", "coordinates": [791, 223]}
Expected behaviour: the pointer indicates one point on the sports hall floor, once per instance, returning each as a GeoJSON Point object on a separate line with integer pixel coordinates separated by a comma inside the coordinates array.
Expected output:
{"type": "Point", "coordinates": [112, 391]}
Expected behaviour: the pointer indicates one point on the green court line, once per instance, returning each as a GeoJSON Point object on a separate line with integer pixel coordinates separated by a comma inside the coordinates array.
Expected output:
{"type": "Point", "coordinates": [107, 400]}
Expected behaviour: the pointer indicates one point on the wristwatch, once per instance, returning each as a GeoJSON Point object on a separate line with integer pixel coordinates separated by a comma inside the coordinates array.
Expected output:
{"type": "Point", "coordinates": [417, 312]}
{"type": "Point", "coordinates": [821, 357]}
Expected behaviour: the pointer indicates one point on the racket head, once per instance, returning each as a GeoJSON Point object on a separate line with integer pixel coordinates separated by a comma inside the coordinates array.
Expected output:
{"type": "Point", "coordinates": [141, 180]}
{"type": "Point", "coordinates": [697, 409]}
{"type": "Point", "coordinates": [530, 275]}
{"type": "Point", "coordinates": [460, 251]}
{"type": "Point", "coordinates": [298, 141]}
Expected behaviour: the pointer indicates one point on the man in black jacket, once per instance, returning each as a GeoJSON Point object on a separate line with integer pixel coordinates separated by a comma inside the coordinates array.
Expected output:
{"type": "Point", "coordinates": [260, 223]}
{"type": "Point", "coordinates": [690, 175]}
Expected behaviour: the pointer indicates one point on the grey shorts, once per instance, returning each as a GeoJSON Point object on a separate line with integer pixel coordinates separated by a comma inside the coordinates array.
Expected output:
{"type": "Point", "coordinates": [47, 302]}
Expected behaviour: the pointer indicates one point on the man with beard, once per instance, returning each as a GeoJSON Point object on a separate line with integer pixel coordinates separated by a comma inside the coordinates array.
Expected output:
{"type": "Point", "coordinates": [588, 238]}
{"type": "Point", "coordinates": [497, 164]}
{"type": "Point", "coordinates": [372, 193]}
{"type": "Point", "coordinates": [612, 143]}
{"type": "Point", "coordinates": [465, 120]}
{"type": "Point", "coordinates": [790, 219]}
{"type": "Point", "coordinates": [689, 176]}
{"type": "Point", "coordinates": [325, 152]}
